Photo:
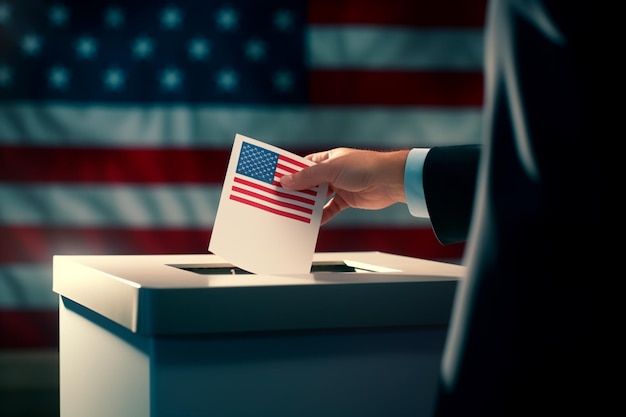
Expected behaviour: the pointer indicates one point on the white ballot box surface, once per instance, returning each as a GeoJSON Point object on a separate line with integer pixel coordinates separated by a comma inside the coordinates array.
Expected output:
{"type": "Point", "coordinates": [190, 335]}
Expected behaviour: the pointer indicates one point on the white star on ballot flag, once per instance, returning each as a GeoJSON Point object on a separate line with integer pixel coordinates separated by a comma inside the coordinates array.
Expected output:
{"type": "Point", "coordinates": [261, 227]}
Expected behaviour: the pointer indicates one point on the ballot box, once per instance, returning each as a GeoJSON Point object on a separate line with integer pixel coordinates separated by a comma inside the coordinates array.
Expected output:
{"type": "Point", "coordinates": [190, 335]}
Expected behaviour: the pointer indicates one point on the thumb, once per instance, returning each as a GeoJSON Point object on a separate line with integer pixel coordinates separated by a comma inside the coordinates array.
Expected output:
{"type": "Point", "coordinates": [306, 178]}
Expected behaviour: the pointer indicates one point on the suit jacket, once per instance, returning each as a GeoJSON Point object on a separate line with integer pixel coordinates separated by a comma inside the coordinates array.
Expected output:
{"type": "Point", "coordinates": [526, 335]}
{"type": "Point", "coordinates": [449, 178]}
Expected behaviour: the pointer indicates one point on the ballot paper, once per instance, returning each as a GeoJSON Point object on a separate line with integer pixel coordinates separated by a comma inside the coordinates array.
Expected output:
{"type": "Point", "coordinates": [261, 227]}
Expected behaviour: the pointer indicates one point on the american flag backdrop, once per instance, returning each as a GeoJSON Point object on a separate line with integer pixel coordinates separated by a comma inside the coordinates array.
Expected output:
{"type": "Point", "coordinates": [117, 118]}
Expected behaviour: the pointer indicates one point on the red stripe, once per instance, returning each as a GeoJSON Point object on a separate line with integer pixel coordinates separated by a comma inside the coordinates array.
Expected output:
{"type": "Point", "coordinates": [270, 200]}
{"type": "Point", "coordinates": [414, 242]}
{"type": "Point", "coordinates": [270, 209]}
{"type": "Point", "coordinates": [275, 192]}
{"type": "Point", "coordinates": [396, 88]}
{"type": "Point", "coordinates": [457, 13]}
{"type": "Point", "coordinates": [120, 165]}
{"type": "Point", "coordinates": [23, 244]}
{"type": "Point", "coordinates": [31, 329]}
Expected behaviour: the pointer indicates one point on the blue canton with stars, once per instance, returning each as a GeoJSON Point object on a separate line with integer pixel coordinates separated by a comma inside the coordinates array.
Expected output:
{"type": "Point", "coordinates": [257, 163]}
{"type": "Point", "coordinates": [238, 52]}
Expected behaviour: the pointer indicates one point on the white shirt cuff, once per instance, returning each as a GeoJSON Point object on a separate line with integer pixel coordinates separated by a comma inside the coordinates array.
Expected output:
{"type": "Point", "coordinates": [414, 183]}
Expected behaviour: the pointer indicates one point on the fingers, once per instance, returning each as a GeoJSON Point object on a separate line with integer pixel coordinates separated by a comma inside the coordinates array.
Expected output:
{"type": "Point", "coordinates": [319, 156]}
{"type": "Point", "coordinates": [315, 174]}
{"type": "Point", "coordinates": [333, 207]}
{"type": "Point", "coordinates": [308, 177]}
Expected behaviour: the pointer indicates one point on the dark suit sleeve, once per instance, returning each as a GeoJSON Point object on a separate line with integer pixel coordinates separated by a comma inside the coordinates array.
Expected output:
{"type": "Point", "coordinates": [449, 179]}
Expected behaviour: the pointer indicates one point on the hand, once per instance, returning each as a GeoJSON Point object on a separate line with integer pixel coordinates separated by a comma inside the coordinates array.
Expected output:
{"type": "Point", "coordinates": [361, 179]}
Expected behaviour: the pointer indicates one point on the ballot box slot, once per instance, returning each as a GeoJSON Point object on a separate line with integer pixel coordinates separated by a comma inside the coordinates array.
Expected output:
{"type": "Point", "coordinates": [228, 269]}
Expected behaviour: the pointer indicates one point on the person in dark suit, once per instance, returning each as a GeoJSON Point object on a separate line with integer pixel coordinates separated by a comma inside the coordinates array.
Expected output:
{"type": "Point", "coordinates": [526, 335]}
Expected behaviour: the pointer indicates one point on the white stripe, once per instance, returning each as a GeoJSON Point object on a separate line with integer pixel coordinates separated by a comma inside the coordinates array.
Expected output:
{"type": "Point", "coordinates": [368, 47]}
{"type": "Point", "coordinates": [27, 286]}
{"type": "Point", "coordinates": [103, 205]}
{"type": "Point", "coordinates": [175, 126]}
{"type": "Point", "coordinates": [156, 207]}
